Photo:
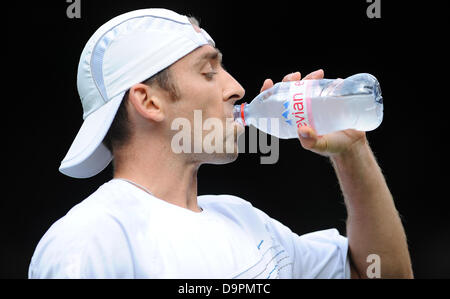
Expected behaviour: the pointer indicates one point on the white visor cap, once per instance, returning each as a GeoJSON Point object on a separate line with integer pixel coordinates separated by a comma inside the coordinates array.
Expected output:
{"type": "Point", "coordinates": [125, 51]}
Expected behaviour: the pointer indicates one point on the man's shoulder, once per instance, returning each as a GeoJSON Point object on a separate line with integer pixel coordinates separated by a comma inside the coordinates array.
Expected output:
{"type": "Point", "coordinates": [91, 212]}
{"type": "Point", "coordinates": [85, 234]}
{"type": "Point", "coordinates": [82, 224]}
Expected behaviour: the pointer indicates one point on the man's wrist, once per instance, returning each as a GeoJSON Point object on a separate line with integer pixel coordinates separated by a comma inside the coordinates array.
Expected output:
{"type": "Point", "coordinates": [357, 151]}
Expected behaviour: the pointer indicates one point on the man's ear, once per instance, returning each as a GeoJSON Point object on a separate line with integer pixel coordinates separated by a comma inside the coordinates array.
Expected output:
{"type": "Point", "coordinates": [147, 102]}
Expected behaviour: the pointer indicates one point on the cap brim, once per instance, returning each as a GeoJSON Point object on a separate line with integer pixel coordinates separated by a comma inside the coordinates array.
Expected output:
{"type": "Point", "coordinates": [87, 155]}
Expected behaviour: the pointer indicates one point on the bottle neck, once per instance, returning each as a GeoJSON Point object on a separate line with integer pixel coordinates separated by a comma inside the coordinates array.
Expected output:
{"type": "Point", "coordinates": [239, 114]}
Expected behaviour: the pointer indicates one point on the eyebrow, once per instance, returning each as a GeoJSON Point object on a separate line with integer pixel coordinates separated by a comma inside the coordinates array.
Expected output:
{"type": "Point", "coordinates": [215, 55]}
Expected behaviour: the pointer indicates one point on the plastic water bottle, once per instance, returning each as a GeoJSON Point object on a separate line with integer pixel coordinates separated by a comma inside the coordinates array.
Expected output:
{"type": "Point", "coordinates": [325, 105]}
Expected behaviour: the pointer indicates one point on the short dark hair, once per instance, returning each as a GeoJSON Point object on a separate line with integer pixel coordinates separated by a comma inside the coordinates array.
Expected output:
{"type": "Point", "coordinates": [119, 132]}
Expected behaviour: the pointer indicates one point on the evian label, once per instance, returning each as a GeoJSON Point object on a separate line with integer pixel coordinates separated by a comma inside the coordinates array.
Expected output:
{"type": "Point", "coordinates": [298, 110]}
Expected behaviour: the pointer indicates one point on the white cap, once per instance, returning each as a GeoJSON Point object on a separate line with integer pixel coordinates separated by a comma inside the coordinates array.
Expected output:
{"type": "Point", "coordinates": [125, 51]}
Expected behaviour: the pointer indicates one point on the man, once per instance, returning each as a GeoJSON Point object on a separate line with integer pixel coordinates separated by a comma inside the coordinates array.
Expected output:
{"type": "Point", "coordinates": [139, 74]}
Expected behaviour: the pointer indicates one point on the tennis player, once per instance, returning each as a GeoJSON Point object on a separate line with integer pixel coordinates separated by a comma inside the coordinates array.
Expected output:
{"type": "Point", "coordinates": [138, 74]}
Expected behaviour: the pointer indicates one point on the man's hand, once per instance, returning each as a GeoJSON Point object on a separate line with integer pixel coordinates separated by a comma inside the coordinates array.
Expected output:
{"type": "Point", "coordinates": [373, 223]}
{"type": "Point", "coordinates": [327, 145]}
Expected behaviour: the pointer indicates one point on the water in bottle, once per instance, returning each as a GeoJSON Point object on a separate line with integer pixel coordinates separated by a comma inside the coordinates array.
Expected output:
{"type": "Point", "coordinates": [325, 105]}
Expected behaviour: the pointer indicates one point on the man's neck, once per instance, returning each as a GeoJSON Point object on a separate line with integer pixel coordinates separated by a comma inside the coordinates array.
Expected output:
{"type": "Point", "coordinates": [166, 176]}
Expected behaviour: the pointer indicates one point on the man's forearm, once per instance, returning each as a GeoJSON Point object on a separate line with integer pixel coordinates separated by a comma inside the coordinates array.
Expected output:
{"type": "Point", "coordinates": [373, 223]}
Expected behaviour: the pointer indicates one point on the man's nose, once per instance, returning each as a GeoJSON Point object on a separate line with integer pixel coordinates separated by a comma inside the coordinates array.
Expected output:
{"type": "Point", "coordinates": [233, 91]}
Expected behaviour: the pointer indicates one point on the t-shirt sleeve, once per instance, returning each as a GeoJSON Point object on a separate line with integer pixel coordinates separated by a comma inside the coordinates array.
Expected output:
{"type": "Point", "coordinates": [321, 254]}
{"type": "Point", "coordinates": [76, 248]}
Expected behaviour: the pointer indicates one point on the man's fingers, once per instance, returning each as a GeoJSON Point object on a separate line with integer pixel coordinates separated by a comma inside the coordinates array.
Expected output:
{"type": "Point", "coordinates": [315, 75]}
{"type": "Point", "coordinates": [292, 77]}
{"type": "Point", "coordinates": [268, 83]}
{"type": "Point", "coordinates": [297, 76]}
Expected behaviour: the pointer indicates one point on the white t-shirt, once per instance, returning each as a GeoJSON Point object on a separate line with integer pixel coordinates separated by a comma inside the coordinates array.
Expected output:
{"type": "Point", "coordinates": [120, 231]}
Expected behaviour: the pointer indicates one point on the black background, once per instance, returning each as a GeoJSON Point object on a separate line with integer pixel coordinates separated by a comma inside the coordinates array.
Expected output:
{"type": "Point", "coordinates": [259, 40]}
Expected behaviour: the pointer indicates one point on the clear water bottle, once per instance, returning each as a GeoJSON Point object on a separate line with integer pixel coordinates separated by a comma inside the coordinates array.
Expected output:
{"type": "Point", "coordinates": [325, 105]}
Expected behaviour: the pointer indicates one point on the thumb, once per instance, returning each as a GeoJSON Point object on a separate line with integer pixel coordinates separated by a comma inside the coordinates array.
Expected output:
{"type": "Point", "coordinates": [310, 141]}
